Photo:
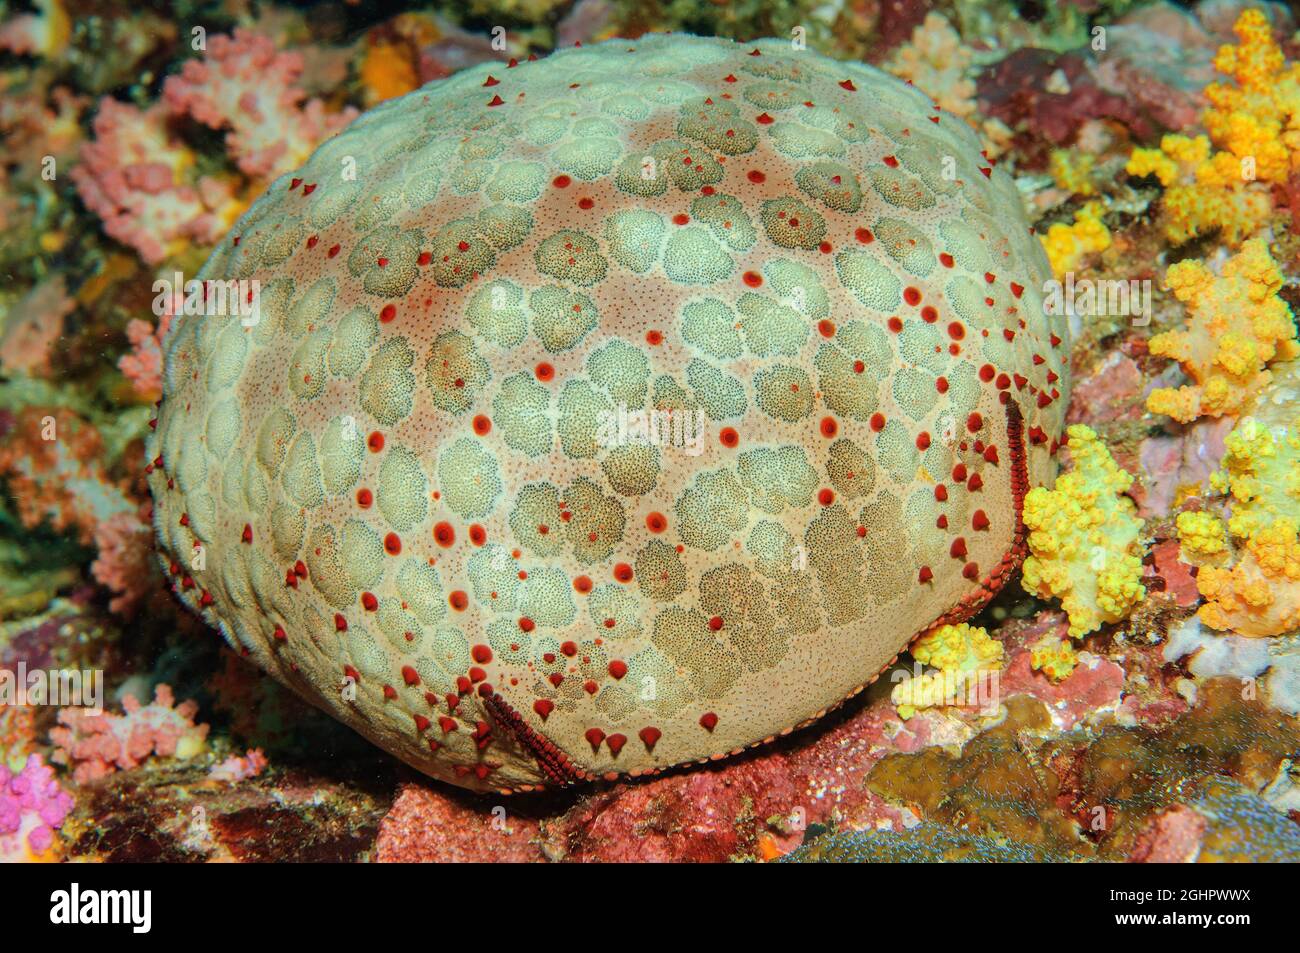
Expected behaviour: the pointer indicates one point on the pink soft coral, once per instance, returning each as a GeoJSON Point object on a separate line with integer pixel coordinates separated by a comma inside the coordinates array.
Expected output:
{"type": "Point", "coordinates": [35, 324]}
{"type": "Point", "coordinates": [133, 176]}
{"type": "Point", "coordinates": [125, 562]}
{"type": "Point", "coordinates": [95, 745]}
{"type": "Point", "coordinates": [52, 462]}
{"type": "Point", "coordinates": [245, 85]}
{"type": "Point", "coordinates": [142, 365]}
{"type": "Point", "coordinates": [32, 808]}
{"type": "Point", "coordinates": [240, 767]}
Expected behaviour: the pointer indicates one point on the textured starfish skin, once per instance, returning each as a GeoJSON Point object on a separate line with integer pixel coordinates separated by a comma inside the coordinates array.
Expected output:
{"type": "Point", "coordinates": [408, 491]}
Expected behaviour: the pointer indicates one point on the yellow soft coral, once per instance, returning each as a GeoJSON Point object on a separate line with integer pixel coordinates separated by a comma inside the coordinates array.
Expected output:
{"type": "Point", "coordinates": [1201, 537]}
{"type": "Point", "coordinates": [1072, 170]}
{"type": "Point", "coordinates": [1177, 158]}
{"type": "Point", "coordinates": [958, 648]}
{"type": "Point", "coordinates": [1196, 209]}
{"type": "Point", "coordinates": [1083, 538]}
{"type": "Point", "coordinates": [1143, 162]}
{"type": "Point", "coordinates": [1054, 657]}
{"type": "Point", "coordinates": [1260, 595]}
{"type": "Point", "coordinates": [1236, 324]}
{"type": "Point", "coordinates": [1261, 471]}
{"type": "Point", "coordinates": [1253, 122]}
{"type": "Point", "coordinates": [961, 653]}
{"type": "Point", "coordinates": [1066, 245]}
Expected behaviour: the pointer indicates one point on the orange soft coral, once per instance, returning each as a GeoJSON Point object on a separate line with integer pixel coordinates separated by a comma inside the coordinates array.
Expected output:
{"type": "Point", "coordinates": [1253, 124]}
{"type": "Point", "coordinates": [1261, 594]}
{"type": "Point", "coordinates": [1236, 325]}
{"type": "Point", "coordinates": [1257, 116]}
